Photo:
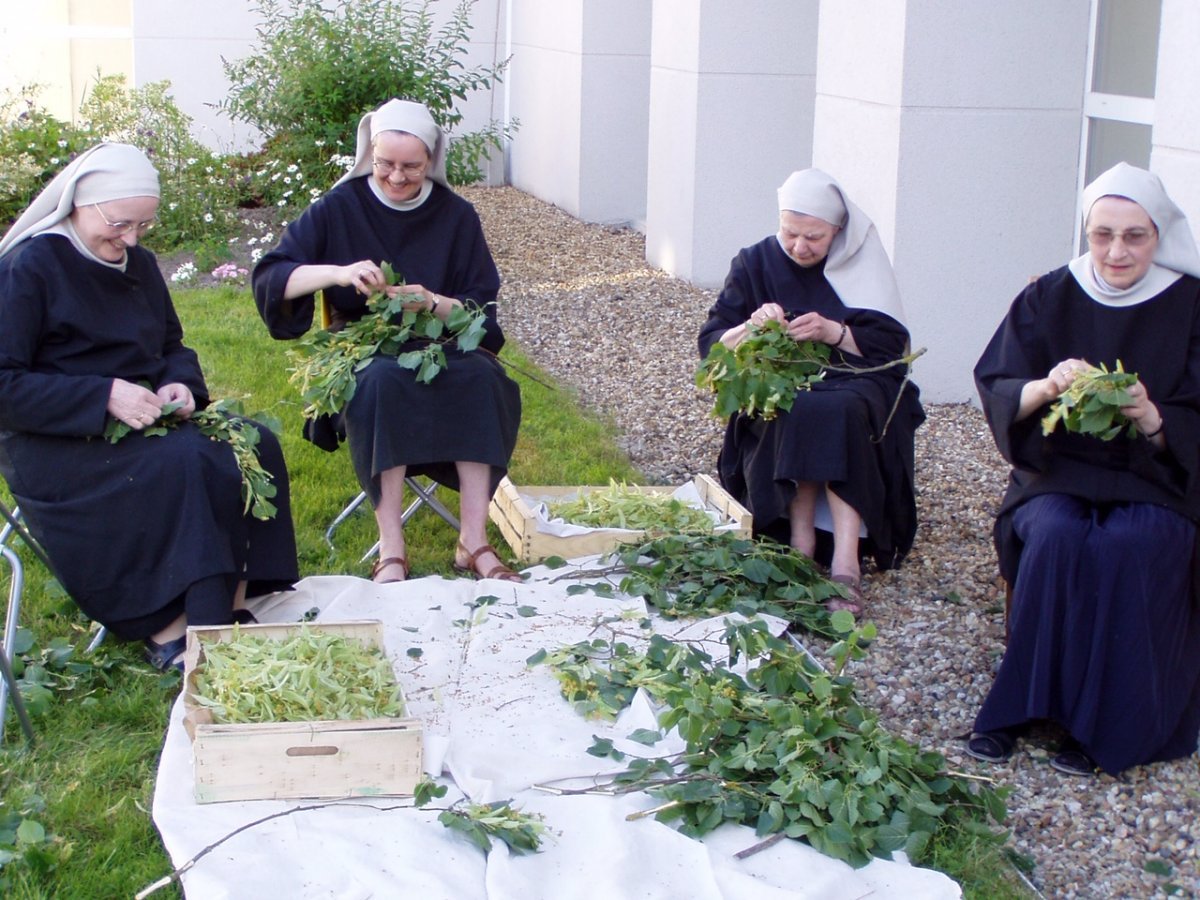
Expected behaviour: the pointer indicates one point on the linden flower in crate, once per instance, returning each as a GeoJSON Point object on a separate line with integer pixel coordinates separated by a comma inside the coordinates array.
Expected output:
{"type": "Point", "coordinates": [626, 506]}
{"type": "Point", "coordinates": [309, 676]}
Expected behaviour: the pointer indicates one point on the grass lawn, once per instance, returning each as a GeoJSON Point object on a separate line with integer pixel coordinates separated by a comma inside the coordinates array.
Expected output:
{"type": "Point", "coordinates": [84, 791]}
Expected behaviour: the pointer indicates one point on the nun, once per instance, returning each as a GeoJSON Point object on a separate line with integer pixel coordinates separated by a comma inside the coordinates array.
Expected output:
{"type": "Point", "coordinates": [1097, 539]}
{"type": "Point", "coordinates": [149, 534]}
{"type": "Point", "coordinates": [395, 206]}
{"type": "Point", "coordinates": [837, 469]}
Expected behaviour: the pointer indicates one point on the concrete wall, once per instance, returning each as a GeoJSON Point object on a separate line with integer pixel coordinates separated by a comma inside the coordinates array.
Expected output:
{"type": "Point", "coordinates": [1176, 151]}
{"type": "Point", "coordinates": [579, 86]}
{"type": "Point", "coordinates": [731, 103]}
{"type": "Point", "coordinates": [963, 149]}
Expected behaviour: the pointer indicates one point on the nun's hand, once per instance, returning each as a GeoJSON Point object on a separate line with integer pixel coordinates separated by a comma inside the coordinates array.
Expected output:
{"type": "Point", "coordinates": [365, 277]}
{"type": "Point", "coordinates": [813, 326]}
{"type": "Point", "coordinates": [1144, 414]}
{"type": "Point", "coordinates": [768, 312]}
{"type": "Point", "coordinates": [1062, 376]}
{"type": "Point", "coordinates": [133, 404]}
{"type": "Point", "coordinates": [180, 394]}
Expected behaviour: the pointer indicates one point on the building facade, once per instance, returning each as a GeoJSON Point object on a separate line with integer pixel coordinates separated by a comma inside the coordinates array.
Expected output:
{"type": "Point", "coordinates": [964, 129]}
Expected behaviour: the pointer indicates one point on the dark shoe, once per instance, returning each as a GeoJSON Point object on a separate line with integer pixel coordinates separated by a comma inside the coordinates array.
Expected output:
{"type": "Point", "coordinates": [244, 617]}
{"type": "Point", "coordinates": [991, 746]}
{"type": "Point", "coordinates": [854, 602]}
{"type": "Point", "coordinates": [1071, 760]}
{"type": "Point", "coordinates": [390, 561]}
{"type": "Point", "coordinates": [165, 657]}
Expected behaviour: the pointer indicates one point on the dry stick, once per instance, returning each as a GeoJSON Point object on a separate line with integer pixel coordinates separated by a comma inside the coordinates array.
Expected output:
{"type": "Point", "coordinates": [760, 846]}
{"type": "Point", "coordinates": [175, 875]}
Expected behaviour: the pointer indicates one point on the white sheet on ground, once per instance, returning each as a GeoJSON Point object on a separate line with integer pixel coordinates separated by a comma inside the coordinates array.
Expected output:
{"type": "Point", "coordinates": [493, 729]}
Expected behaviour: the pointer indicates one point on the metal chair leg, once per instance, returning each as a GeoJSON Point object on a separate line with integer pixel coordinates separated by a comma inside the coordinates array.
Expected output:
{"type": "Point", "coordinates": [8, 687]}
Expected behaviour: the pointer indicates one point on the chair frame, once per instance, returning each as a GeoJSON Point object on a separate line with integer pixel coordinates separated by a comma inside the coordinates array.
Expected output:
{"type": "Point", "coordinates": [424, 497]}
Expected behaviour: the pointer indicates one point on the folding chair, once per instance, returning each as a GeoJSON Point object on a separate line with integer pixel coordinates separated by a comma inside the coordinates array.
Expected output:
{"type": "Point", "coordinates": [14, 527]}
{"type": "Point", "coordinates": [424, 491]}
{"type": "Point", "coordinates": [424, 497]}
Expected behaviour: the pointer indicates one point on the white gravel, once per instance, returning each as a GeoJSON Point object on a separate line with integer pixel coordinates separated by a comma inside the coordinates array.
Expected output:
{"type": "Point", "coordinates": [581, 300]}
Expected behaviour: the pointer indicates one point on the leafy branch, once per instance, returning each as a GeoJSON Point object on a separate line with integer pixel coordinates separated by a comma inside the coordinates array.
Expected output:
{"type": "Point", "coordinates": [481, 823]}
{"type": "Point", "coordinates": [711, 574]}
{"type": "Point", "coordinates": [1092, 404]}
{"type": "Point", "coordinates": [326, 362]}
{"type": "Point", "coordinates": [221, 421]}
{"type": "Point", "coordinates": [786, 749]}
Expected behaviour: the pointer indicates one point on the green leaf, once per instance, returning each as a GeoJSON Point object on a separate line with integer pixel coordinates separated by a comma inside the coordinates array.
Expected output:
{"type": "Point", "coordinates": [646, 736]}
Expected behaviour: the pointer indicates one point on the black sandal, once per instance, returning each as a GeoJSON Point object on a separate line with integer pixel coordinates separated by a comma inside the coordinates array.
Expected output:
{"type": "Point", "coordinates": [165, 657]}
{"type": "Point", "coordinates": [244, 617]}
{"type": "Point", "coordinates": [991, 746]}
{"type": "Point", "coordinates": [1072, 760]}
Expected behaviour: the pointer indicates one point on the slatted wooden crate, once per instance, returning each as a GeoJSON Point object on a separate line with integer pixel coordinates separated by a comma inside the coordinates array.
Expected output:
{"type": "Point", "coordinates": [512, 510]}
{"type": "Point", "coordinates": [296, 760]}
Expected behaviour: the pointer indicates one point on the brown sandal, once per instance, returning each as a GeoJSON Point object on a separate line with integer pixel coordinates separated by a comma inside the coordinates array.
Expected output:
{"type": "Point", "coordinates": [853, 602]}
{"type": "Point", "coordinates": [390, 561]}
{"type": "Point", "coordinates": [500, 571]}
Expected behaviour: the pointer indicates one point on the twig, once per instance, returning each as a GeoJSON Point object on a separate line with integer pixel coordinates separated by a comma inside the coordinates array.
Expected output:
{"type": "Point", "coordinates": [760, 846]}
{"type": "Point", "coordinates": [175, 875]}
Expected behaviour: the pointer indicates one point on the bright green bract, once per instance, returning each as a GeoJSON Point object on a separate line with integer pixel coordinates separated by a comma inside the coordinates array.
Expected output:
{"type": "Point", "coordinates": [309, 676]}
{"type": "Point", "coordinates": [624, 506]}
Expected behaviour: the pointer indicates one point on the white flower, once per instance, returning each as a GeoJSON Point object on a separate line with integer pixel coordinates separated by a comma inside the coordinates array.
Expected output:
{"type": "Point", "coordinates": [269, 237]}
{"type": "Point", "coordinates": [62, 144]}
{"type": "Point", "coordinates": [281, 203]}
{"type": "Point", "coordinates": [172, 206]}
{"type": "Point", "coordinates": [293, 168]}
{"type": "Point", "coordinates": [208, 217]}
{"type": "Point", "coordinates": [319, 143]}
{"type": "Point", "coordinates": [192, 161]}
{"type": "Point", "coordinates": [256, 254]}
{"type": "Point", "coordinates": [275, 177]}
{"type": "Point", "coordinates": [287, 179]}
{"type": "Point", "coordinates": [54, 160]}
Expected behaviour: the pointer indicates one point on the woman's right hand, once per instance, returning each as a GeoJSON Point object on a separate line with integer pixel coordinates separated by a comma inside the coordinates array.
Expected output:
{"type": "Point", "coordinates": [364, 276]}
{"type": "Point", "coordinates": [133, 404]}
{"type": "Point", "coordinates": [1040, 391]}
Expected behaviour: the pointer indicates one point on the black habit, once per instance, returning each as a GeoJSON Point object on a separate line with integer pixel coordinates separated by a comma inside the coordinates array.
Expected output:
{"type": "Point", "coordinates": [471, 410]}
{"type": "Point", "coordinates": [1105, 628]}
{"type": "Point", "coordinates": [128, 526]}
{"type": "Point", "coordinates": [834, 434]}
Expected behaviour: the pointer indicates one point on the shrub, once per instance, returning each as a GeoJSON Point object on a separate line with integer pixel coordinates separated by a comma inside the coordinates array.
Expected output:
{"type": "Point", "coordinates": [319, 66]}
{"type": "Point", "coordinates": [34, 146]}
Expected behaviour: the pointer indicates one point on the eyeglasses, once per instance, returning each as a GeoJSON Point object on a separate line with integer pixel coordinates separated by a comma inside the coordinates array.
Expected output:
{"type": "Point", "coordinates": [386, 167]}
{"type": "Point", "coordinates": [124, 227]}
{"type": "Point", "coordinates": [1134, 237]}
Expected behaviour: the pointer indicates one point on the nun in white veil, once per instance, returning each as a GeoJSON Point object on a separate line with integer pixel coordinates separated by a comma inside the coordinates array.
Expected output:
{"type": "Point", "coordinates": [460, 429]}
{"type": "Point", "coordinates": [833, 469]}
{"type": "Point", "coordinates": [1097, 539]}
{"type": "Point", "coordinates": [147, 535]}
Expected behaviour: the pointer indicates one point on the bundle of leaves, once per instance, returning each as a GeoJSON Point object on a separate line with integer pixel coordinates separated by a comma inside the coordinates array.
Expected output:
{"type": "Point", "coordinates": [311, 675]}
{"type": "Point", "coordinates": [1092, 404]}
{"type": "Point", "coordinates": [762, 374]}
{"type": "Point", "coordinates": [221, 421]}
{"type": "Point", "coordinates": [621, 505]}
{"type": "Point", "coordinates": [719, 572]}
{"type": "Point", "coordinates": [58, 670]}
{"type": "Point", "coordinates": [481, 823]}
{"type": "Point", "coordinates": [325, 363]}
{"type": "Point", "coordinates": [786, 749]}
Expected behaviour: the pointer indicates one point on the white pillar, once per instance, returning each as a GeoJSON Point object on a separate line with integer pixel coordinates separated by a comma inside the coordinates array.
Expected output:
{"type": "Point", "coordinates": [731, 105]}
{"type": "Point", "coordinates": [579, 84]}
{"type": "Point", "coordinates": [1176, 143]}
{"type": "Point", "coordinates": [955, 126]}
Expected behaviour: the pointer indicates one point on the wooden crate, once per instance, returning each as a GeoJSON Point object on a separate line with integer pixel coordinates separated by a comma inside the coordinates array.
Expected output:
{"type": "Point", "coordinates": [295, 760]}
{"type": "Point", "coordinates": [515, 517]}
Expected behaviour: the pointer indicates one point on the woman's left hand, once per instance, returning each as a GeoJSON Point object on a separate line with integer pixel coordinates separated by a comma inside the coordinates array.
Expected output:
{"type": "Point", "coordinates": [1143, 413]}
{"type": "Point", "coordinates": [423, 298]}
{"type": "Point", "coordinates": [178, 393]}
{"type": "Point", "coordinates": [813, 326]}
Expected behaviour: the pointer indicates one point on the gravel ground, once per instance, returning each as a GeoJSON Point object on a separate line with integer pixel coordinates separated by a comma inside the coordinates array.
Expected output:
{"type": "Point", "coordinates": [585, 305]}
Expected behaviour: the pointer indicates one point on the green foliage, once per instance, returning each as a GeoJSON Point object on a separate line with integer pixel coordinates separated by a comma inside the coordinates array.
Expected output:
{"type": "Point", "coordinates": [55, 669]}
{"type": "Point", "coordinates": [1092, 404]}
{"type": "Point", "coordinates": [762, 374]}
{"type": "Point", "coordinates": [310, 675]}
{"type": "Point", "coordinates": [34, 146]}
{"type": "Point", "coordinates": [319, 65]}
{"type": "Point", "coordinates": [785, 748]}
{"type": "Point", "coordinates": [625, 506]}
{"type": "Point", "coordinates": [481, 823]}
{"type": "Point", "coordinates": [711, 574]}
{"type": "Point", "coordinates": [325, 363]}
{"type": "Point", "coordinates": [217, 423]}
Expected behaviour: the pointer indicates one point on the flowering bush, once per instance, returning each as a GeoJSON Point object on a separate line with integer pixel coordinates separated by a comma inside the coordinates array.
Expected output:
{"type": "Point", "coordinates": [34, 146]}
{"type": "Point", "coordinates": [185, 274]}
{"type": "Point", "coordinates": [230, 272]}
{"type": "Point", "coordinates": [300, 91]}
